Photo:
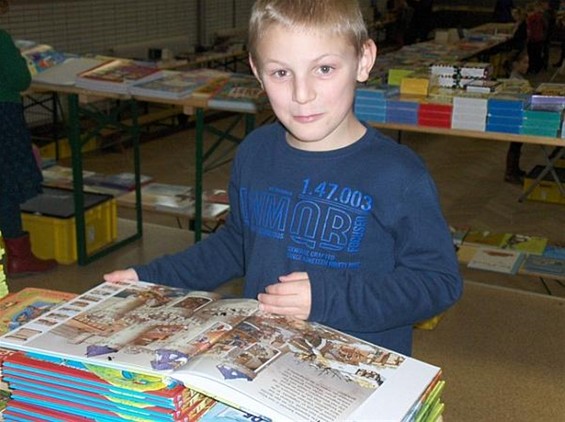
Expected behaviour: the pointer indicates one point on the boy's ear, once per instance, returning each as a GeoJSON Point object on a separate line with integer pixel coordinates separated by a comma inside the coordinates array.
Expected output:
{"type": "Point", "coordinates": [254, 69]}
{"type": "Point", "coordinates": [367, 60]}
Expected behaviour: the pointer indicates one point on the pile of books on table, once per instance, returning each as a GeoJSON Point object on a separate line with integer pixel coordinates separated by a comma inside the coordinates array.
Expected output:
{"type": "Point", "coordinates": [116, 76]}
{"type": "Point", "coordinates": [139, 351]}
{"type": "Point", "coordinates": [371, 101]}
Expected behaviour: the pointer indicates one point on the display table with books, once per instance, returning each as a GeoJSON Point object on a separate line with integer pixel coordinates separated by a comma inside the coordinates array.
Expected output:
{"type": "Point", "coordinates": [134, 350]}
{"type": "Point", "coordinates": [130, 83]}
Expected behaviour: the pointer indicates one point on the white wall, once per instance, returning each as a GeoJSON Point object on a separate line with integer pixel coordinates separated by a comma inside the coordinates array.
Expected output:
{"type": "Point", "coordinates": [104, 26]}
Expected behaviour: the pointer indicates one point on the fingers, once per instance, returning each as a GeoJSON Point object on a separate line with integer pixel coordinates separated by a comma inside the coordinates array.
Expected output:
{"type": "Point", "coordinates": [120, 275]}
{"type": "Point", "coordinates": [291, 296]}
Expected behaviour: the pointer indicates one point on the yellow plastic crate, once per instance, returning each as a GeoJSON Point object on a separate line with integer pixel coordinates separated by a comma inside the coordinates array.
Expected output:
{"type": "Point", "coordinates": [54, 237]}
{"type": "Point", "coordinates": [547, 190]}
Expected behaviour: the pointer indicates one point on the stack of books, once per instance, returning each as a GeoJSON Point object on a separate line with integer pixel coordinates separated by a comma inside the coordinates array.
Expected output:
{"type": "Point", "coordinates": [469, 112]}
{"type": "Point", "coordinates": [371, 101]}
{"type": "Point", "coordinates": [415, 84]}
{"type": "Point", "coordinates": [499, 251]}
{"type": "Point", "coordinates": [470, 72]}
{"type": "Point", "coordinates": [506, 113]}
{"type": "Point", "coordinates": [240, 93]}
{"type": "Point", "coordinates": [445, 75]}
{"type": "Point", "coordinates": [541, 122]}
{"type": "Point", "coordinates": [16, 309]}
{"type": "Point", "coordinates": [435, 114]}
{"type": "Point", "coordinates": [47, 387]}
{"type": "Point", "coordinates": [176, 84]}
{"type": "Point", "coordinates": [177, 200]}
{"type": "Point", "coordinates": [403, 109]}
{"type": "Point", "coordinates": [116, 76]}
{"type": "Point", "coordinates": [226, 349]}
{"type": "Point", "coordinates": [458, 75]}
{"type": "Point", "coordinates": [395, 75]}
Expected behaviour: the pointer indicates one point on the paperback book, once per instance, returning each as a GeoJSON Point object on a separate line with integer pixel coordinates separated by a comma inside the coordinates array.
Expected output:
{"type": "Point", "coordinates": [41, 57]}
{"type": "Point", "coordinates": [240, 92]}
{"type": "Point", "coordinates": [20, 307]}
{"type": "Point", "coordinates": [497, 260]}
{"type": "Point", "coordinates": [176, 84]}
{"type": "Point", "coordinates": [543, 265]}
{"type": "Point", "coordinates": [116, 75]}
{"type": "Point", "coordinates": [227, 349]}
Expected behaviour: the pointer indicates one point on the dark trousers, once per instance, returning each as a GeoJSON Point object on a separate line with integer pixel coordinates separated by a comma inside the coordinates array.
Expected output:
{"type": "Point", "coordinates": [10, 220]}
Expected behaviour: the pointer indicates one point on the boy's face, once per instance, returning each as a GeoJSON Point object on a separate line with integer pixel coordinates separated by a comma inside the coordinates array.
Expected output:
{"type": "Point", "coordinates": [310, 79]}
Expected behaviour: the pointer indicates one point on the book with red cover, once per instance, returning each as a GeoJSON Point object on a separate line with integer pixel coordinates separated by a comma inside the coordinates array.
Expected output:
{"type": "Point", "coordinates": [116, 75]}
{"type": "Point", "coordinates": [120, 385]}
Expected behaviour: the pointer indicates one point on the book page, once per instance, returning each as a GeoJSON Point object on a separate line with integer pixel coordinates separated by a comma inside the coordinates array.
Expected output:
{"type": "Point", "coordinates": [292, 370]}
{"type": "Point", "coordinates": [135, 326]}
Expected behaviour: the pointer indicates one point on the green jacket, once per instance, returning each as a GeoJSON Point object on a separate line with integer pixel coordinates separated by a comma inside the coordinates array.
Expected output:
{"type": "Point", "coordinates": [14, 73]}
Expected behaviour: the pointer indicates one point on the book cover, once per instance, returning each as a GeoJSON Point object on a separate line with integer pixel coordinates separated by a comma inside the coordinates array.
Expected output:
{"type": "Point", "coordinates": [29, 303]}
{"type": "Point", "coordinates": [175, 84]}
{"type": "Point", "coordinates": [116, 75]}
{"type": "Point", "coordinates": [486, 238]}
{"type": "Point", "coordinates": [550, 89]}
{"type": "Point", "coordinates": [137, 389]}
{"type": "Point", "coordinates": [544, 265]}
{"type": "Point", "coordinates": [66, 72]}
{"type": "Point", "coordinates": [483, 86]}
{"type": "Point", "coordinates": [229, 350]}
{"type": "Point", "coordinates": [530, 244]}
{"type": "Point", "coordinates": [497, 260]}
{"type": "Point", "coordinates": [211, 88]}
{"type": "Point", "coordinates": [41, 57]}
{"type": "Point", "coordinates": [240, 93]}
{"type": "Point", "coordinates": [124, 181]}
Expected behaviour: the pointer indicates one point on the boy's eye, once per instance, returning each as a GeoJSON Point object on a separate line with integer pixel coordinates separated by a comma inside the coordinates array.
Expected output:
{"type": "Point", "coordinates": [280, 73]}
{"type": "Point", "coordinates": [324, 70]}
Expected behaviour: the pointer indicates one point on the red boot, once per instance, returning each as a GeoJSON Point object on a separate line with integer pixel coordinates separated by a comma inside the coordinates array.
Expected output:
{"type": "Point", "coordinates": [21, 260]}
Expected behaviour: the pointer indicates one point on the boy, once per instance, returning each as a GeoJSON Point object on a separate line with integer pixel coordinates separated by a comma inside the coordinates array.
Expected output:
{"type": "Point", "coordinates": [329, 220]}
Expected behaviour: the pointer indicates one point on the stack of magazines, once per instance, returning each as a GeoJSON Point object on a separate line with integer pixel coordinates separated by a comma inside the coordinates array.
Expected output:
{"type": "Point", "coordinates": [227, 349]}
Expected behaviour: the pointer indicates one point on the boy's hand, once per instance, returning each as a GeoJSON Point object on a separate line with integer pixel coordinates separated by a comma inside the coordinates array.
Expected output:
{"type": "Point", "coordinates": [291, 296]}
{"type": "Point", "coordinates": [120, 275]}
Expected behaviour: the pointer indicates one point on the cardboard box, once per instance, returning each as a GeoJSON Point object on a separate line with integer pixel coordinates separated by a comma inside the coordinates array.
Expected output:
{"type": "Point", "coordinates": [547, 190]}
{"type": "Point", "coordinates": [50, 220]}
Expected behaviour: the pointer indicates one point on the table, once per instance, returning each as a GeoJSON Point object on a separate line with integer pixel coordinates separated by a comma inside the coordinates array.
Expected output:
{"type": "Point", "coordinates": [80, 104]}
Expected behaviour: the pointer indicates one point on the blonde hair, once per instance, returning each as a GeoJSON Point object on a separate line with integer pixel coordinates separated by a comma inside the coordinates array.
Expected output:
{"type": "Point", "coordinates": [337, 17]}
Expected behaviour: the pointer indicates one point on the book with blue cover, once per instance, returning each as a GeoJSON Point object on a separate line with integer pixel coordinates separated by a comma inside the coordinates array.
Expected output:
{"type": "Point", "coordinates": [175, 84]}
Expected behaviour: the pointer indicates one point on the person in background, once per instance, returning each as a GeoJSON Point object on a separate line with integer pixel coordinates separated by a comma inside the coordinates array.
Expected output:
{"type": "Point", "coordinates": [517, 68]}
{"type": "Point", "coordinates": [20, 176]}
{"type": "Point", "coordinates": [519, 37]}
{"type": "Point", "coordinates": [422, 22]}
{"type": "Point", "coordinates": [330, 220]}
{"type": "Point", "coordinates": [503, 11]}
{"type": "Point", "coordinates": [536, 25]}
{"type": "Point", "coordinates": [404, 17]}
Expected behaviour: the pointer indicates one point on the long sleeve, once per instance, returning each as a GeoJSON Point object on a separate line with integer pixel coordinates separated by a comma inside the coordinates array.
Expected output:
{"type": "Point", "coordinates": [14, 73]}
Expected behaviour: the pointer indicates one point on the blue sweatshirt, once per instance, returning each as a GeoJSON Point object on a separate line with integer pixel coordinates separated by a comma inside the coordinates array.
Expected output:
{"type": "Point", "coordinates": [363, 221]}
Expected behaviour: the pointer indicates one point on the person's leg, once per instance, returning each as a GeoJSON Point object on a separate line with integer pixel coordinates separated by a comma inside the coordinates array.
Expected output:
{"type": "Point", "coordinates": [513, 173]}
{"type": "Point", "coordinates": [20, 259]}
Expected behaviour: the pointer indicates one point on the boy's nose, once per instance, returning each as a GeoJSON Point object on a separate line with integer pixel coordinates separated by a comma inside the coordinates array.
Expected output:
{"type": "Point", "coordinates": [303, 91]}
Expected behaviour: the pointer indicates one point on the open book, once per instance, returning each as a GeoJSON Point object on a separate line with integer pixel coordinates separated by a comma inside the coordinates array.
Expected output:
{"type": "Point", "coordinates": [282, 368]}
